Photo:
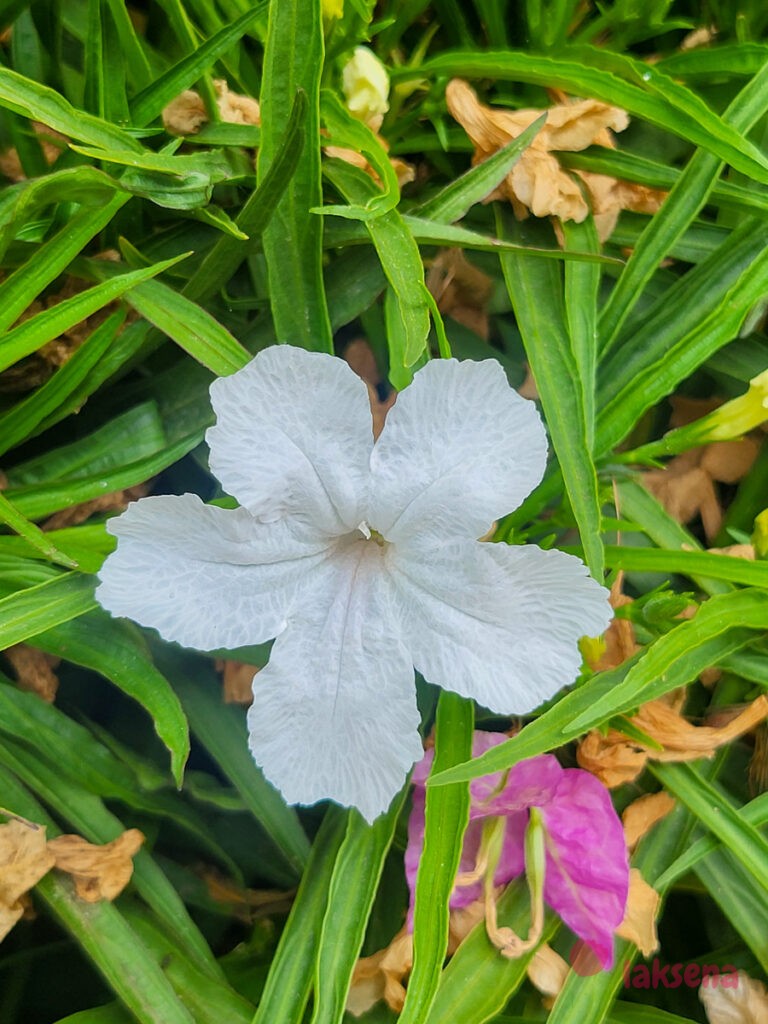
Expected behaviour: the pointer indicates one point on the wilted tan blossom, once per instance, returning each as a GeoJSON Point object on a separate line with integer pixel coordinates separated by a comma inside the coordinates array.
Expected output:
{"type": "Point", "coordinates": [34, 670]}
{"type": "Point", "coordinates": [614, 758]}
{"type": "Point", "coordinates": [24, 859]}
{"type": "Point", "coordinates": [639, 924]}
{"type": "Point", "coordinates": [382, 975]}
{"type": "Point", "coordinates": [537, 183]}
{"type": "Point", "coordinates": [100, 872]}
{"type": "Point", "coordinates": [743, 1003]}
{"type": "Point", "coordinates": [686, 487]}
{"type": "Point", "coordinates": [461, 290]}
{"type": "Point", "coordinates": [186, 114]}
{"type": "Point", "coordinates": [642, 814]}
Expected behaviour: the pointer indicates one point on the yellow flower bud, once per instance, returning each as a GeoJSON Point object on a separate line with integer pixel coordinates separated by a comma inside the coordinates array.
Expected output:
{"type": "Point", "coordinates": [333, 9]}
{"type": "Point", "coordinates": [366, 86]}
{"type": "Point", "coordinates": [760, 535]}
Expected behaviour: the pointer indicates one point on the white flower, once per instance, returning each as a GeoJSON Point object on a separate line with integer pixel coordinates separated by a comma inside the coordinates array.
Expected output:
{"type": "Point", "coordinates": [362, 560]}
{"type": "Point", "coordinates": [365, 82]}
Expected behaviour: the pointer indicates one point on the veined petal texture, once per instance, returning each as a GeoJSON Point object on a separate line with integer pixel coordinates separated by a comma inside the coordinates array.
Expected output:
{"type": "Point", "coordinates": [334, 712]}
{"type": "Point", "coordinates": [459, 449]}
{"type": "Point", "coordinates": [203, 576]}
{"type": "Point", "coordinates": [293, 436]}
{"type": "Point", "coordinates": [494, 622]}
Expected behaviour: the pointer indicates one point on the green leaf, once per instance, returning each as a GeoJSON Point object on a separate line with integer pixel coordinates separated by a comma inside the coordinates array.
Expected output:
{"type": "Point", "coordinates": [39, 103]}
{"type": "Point", "coordinates": [30, 611]}
{"type": "Point", "coordinates": [693, 564]}
{"type": "Point", "coordinates": [50, 323]}
{"type": "Point", "coordinates": [192, 328]}
{"type": "Point", "coordinates": [639, 505]}
{"type": "Point", "coordinates": [63, 393]}
{"type": "Point", "coordinates": [220, 264]}
{"type": "Point", "coordinates": [222, 731]}
{"type": "Point", "coordinates": [346, 131]}
{"type": "Point", "coordinates": [290, 977]}
{"type": "Point", "coordinates": [718, 815]}
{"type": "Point", "coordinates": [356, 874]}
{"type": "Point", "coordinates": [581, 286]}
{"type": "Point", "coordinates": [643, 90]}
{"type": "Point", "coordinates": [292, 240]}
{"type": "Point", "coordinates": [19, 289]}
{"type": "Point", "coordinates": [42, 500]}
{"type": "Point", "coordinates": [408, 308]}
{"type": "Point", "coordinates": [446, 820]}
{"type": "Point", "coordinates": [680, 207]}
{"type": "Point", "coordinates": [754, 813]}
{"type": "Point", "coordinates": [479, 982]}
{"type": "Point", "coordinates": [32, 534]}
{"type": "Point", "coordinates": [147, 105]}
{"type": "Point", "coordinates": [115, 650]}
{"type": "Point", "coordinates": [457, 198]}
{"type": "Point", "coordinates": [536, 291]}
{"type": "Point", "coordinates": [633, 382]}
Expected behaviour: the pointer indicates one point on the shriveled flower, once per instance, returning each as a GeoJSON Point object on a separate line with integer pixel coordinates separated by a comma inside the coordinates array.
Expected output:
{"type": "Point", "coordinates": [537, 183]}
{"type": "Point", "coordinates": [362, 560]}
{"type": "Point", "coordinates": [585, 862]}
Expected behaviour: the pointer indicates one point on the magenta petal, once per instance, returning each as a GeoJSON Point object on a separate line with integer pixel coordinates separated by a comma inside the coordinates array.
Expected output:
{"type": "Point", "coordinates": [587, 869]}
{"type": "Point", "coordinates": [531, 783]}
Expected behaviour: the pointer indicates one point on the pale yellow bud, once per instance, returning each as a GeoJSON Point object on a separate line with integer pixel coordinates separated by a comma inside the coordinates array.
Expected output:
{"type": "Point", "coordinates": [333, 9]}
{"type": "Point", "coordinates": [366, 86]}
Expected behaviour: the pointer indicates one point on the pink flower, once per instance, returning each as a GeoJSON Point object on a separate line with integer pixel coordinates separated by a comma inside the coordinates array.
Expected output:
{"type": "Point", "coordinates": [586, 868]}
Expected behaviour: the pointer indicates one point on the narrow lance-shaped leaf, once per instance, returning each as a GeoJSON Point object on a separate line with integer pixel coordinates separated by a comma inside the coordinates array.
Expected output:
{"type": "Point", "coordinates": [536, 291]}
{"type": "Point", "coordinates": [50, 323]}
{"type": "Point", "coordinates": [351, 892]}
{"type": "Point", "coordinates": [292, 240]}
{"type": "Point", "coordinates": [408, 307]}
{"type": "Point", "coordinates": [681, 206]}
{"type": "Point", "coordinates": [148, 104]}
{"type": "Point", "coordinates": [446, 819]}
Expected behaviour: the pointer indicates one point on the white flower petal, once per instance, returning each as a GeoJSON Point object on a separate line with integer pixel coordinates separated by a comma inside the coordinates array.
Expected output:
{"type": "Point", "coordinates": [293, 435]}
{"type": "Point", "coordinates": [334, 712]}
{"type": "Point", "coordinates": [203, 576]}
{"type": "Point", "coordinates": [497, 623]}
{"type": "Point", "coordinates": [459, 449]}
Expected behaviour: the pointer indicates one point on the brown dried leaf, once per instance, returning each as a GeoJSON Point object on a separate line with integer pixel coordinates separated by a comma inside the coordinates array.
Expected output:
{"type": "Point", "coordinates": [686, 492]}
{"type": "Point", "coordinates": [186, 114]}
{"type": "Point", "coordinates": [461, 290]}
{"type": "Point", "coordinates": [743, 1003]}
{"type": "Point", "coordinates": [359, 355]}
{"type": "Point", "coordinates": [381, 976]}
{"type": "Point", "coordinates": [99, 872]}
{"type": "Point", "coordinates": [537, 183]}
{"type": "Point", "coordinates": [528, 388]}
{"type": "Point", "coordinates": [547, 971]}
{"type": "Point", "coordinates": [745, 551]}
{"type": "Point", "coordinates": [238, 680]}
{"type": "Point", "coordinates": [642, 814]}
{"type": "Point", "coordinates": [24, 859]}
{"type": "Point", "coordinates": [615, 759]}
{"type": "Point", "coordinates": [729, 461]}
{"type": "Point", "coordinates": [639, 924]}
{"type": "Point", "coordinates": [118, 501]}
{"type": "Point", "coordinates": [34, 670]}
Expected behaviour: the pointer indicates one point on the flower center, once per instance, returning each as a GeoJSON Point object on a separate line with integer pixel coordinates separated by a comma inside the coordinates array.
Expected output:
{"type": "Point", "coordinates": [370, 534]}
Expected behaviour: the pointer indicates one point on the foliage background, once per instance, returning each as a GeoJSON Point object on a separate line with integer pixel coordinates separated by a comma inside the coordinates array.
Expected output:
{"type": "Point", "coordinates": [217, 259]}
